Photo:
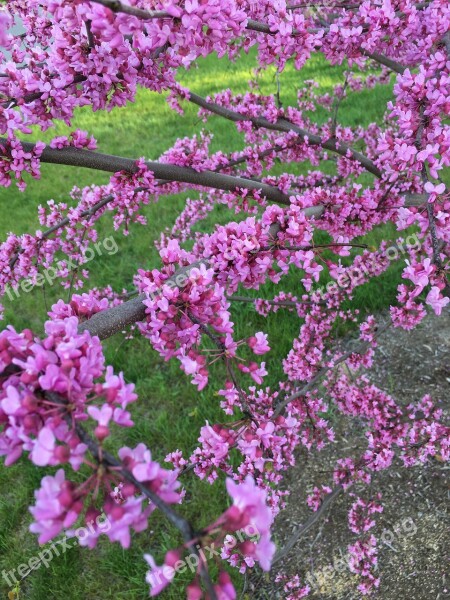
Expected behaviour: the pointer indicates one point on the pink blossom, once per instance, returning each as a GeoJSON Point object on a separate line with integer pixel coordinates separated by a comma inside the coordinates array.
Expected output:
{"type": "Point", "coordinates": [44, 448]}
{"type": "Point", "coordinates": [419, 273]}
{"type": "Point", "coordinates": [249, 509]}
{"type": "Point", "coordinates": [225, 589]}
{"type": "Point", "coordinates": [102, 416]}
{"type": "Point", "coordinates": [434, 190]}
{"type": "Point", "coordinates": [51, 516]}
{"type": "Point", "coordinates": [258, 343]}
{"type": "Point", "coordinates": [160, 577]}
{"type": "Point", "coordinates": [436, 300]}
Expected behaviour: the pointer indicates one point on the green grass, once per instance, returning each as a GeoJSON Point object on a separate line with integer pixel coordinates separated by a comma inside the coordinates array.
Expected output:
{"type": "Point", "coordinates": [170, 411]}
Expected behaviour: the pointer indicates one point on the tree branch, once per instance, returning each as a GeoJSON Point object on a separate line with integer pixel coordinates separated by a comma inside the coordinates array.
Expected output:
{"type": "Point", "coordinates": [301, 531]}
{"type": "Point", "coordinates": [384, 60]}
{"type": "Point", "coordinates": [103, 457]}
{"type": "Point", "coordinates": [118, 7]}
{"type": "Point", "coordinates": [106, 323]}
{"type": "Point", "coordinates": [285, 126]}
{"type": "Point", "coordinates": [77, 157]}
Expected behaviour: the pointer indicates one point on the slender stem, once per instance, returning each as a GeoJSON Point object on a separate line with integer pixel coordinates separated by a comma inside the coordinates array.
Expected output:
{"type": "Point", "coordinates": [289, 303]}
{"type": "Point", "coordinates": [312, 247]}
{"type": "Point", "coordinates": [108, 460]}
{"type": "Point", "coordinates": [286, 126]}
{"type": "Point", "coordinates": [384, 60]}
{"type": "Point", "coordinates": [303, 529]}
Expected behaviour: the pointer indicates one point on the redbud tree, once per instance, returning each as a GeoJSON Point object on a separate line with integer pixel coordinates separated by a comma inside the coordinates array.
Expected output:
{"type": "Point", "coordinates": [61, 404]}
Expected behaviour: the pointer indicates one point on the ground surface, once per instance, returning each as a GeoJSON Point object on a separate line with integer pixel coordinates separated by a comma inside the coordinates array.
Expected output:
{"type": "Point", "coordinates": [414, 528]}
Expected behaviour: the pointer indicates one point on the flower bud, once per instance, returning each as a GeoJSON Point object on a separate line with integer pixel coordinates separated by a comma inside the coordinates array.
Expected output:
{"type": "Point", "coordinates": [62, 454]}
{"type": "Point", "coordinates": [101, 432]}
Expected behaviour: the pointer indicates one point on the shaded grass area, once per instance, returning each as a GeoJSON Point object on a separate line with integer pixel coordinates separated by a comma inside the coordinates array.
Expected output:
{"type": "Point", "coordinates": [170, 411]}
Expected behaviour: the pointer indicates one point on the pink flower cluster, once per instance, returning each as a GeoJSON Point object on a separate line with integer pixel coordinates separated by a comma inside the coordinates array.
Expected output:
{"type": "Point", "coordinates": [250, 514]}
{"type": "Point", "coordinates": [49, 386]}
{"type": "Point", "coordinates": [363, 561]}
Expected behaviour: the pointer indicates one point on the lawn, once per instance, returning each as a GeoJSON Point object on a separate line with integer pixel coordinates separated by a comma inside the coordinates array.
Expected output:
{"type": "Point", "coordinates": [170, 411]}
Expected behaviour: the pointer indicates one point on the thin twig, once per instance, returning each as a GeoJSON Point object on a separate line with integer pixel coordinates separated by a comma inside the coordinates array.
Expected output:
{"type": "Point", "coordinates": [90, 37]}
{"type": "Point", "coordinates": [106, 459]}
{"type": "Point", "coordinates": [301, 531]}
{"type": "Point", "coordinates": [299, 393]}
{"type": "Point", "coordinates": [285, 126]}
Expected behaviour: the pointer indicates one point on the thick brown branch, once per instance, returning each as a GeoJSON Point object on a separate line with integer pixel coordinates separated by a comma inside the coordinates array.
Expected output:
{"type": "Point", "coordinates": [77, 157]}
{"type": "Point", "coordinates": [107, 199]}
{"type": "Point", "coordinates": [134, 11]}
{"type": "Point", "coordinates": [108, 322]}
